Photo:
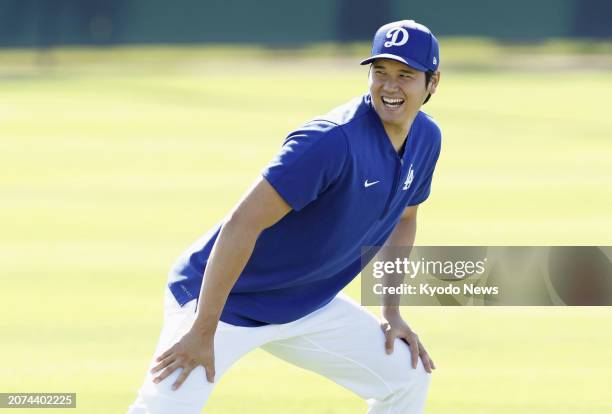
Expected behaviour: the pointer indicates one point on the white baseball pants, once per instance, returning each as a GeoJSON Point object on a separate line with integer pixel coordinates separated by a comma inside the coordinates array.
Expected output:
{"type": "Point", "coordinates": [341, 341]}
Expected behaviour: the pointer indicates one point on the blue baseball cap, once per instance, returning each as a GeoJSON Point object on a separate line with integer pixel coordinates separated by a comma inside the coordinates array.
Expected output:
{"type": "Point", "coordinates": [407, 42]}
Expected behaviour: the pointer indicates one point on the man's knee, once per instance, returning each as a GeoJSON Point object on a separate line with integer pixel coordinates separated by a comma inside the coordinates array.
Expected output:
{"type": "Point", "coordinates": [414, 391]}
{"type": "Point", "coordinates": [413, 382]}
{"type": "Point", "coordinates": [408, 395]}
{"type": "Point", "coordinates": [155, 403]}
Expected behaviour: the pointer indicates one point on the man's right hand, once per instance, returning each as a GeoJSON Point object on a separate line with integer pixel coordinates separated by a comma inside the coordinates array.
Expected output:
{"type": "Point", "coordinates": [261, 208]}
{"type": "Point", "coordinates": [195, 348]}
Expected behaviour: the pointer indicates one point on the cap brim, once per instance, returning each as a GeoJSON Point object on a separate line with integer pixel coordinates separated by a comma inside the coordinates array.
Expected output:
{"type": "Point", "coordinates": [400, 59]}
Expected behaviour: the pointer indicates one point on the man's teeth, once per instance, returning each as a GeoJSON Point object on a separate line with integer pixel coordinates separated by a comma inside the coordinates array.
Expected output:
{"type": "Point", "coordinates": [392, 101]}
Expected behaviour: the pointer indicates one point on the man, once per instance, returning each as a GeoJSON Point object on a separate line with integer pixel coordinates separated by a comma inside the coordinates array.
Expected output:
{"type": "Point", "coordinates": [269, 275]}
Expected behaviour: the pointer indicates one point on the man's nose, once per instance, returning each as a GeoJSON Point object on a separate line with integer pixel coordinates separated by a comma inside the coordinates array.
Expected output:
{"type": "Point", "coordinates": [390, 85]}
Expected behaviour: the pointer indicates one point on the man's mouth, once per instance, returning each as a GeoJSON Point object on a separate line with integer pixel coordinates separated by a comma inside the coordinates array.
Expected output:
{"type": "Point", "coordinates": [392, 103]}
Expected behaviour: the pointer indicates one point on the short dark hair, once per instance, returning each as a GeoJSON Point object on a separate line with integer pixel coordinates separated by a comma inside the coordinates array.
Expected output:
{"type": "Point", "coordinates": [428, 76]}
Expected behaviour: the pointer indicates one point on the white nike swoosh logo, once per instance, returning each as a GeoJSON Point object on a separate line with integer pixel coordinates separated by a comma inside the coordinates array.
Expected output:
{"type": "Point", "coordinates": [367, 184]}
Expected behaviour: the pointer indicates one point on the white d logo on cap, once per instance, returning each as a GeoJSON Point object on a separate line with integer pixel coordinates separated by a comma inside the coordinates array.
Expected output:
{"type": "Point", "coordinates": [393, 34]}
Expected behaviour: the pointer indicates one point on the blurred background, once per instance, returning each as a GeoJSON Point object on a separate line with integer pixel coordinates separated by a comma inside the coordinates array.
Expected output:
{"type": "Point", "coordinates": [128, 128]}
{"type": "Point", "coordinates": [48, 23]}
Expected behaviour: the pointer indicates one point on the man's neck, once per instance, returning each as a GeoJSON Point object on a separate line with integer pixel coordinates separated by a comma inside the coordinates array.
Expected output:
{"type": "Point", "coordinates": [398, 133]}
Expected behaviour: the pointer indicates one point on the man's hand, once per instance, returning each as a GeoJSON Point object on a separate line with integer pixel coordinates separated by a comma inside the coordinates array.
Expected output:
{"type": "Point", "coordinates": [193, 349]}
{"type": "Point", "coordinates": [396, 327]}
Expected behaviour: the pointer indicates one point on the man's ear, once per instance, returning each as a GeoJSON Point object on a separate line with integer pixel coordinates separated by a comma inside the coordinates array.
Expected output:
{"type": "Point", "coordinates": [433, 82]}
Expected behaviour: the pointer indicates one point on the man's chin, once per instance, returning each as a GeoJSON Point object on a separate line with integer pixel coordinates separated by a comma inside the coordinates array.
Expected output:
{"type": "Point", "coordinates": [386, 115]}
{"type": "Point", "coordinates": [392, 119]}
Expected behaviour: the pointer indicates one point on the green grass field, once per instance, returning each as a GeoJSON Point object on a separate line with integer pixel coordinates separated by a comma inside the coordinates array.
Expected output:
{"type": "Point", "coordinates": [112, 162]}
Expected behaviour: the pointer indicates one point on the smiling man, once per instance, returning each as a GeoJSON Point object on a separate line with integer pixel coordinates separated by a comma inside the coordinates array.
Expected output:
{"type": "Point", "coordinates": [270, 273]}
